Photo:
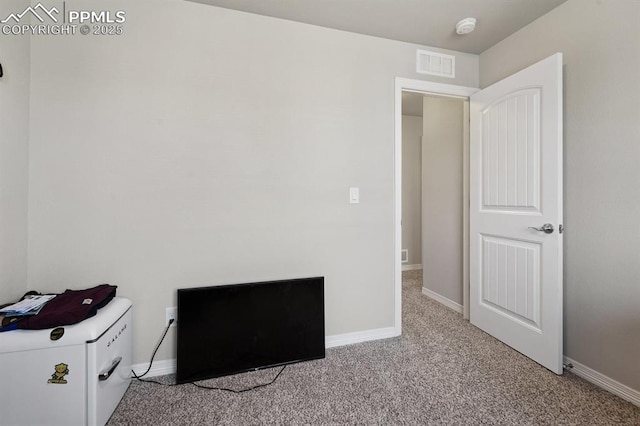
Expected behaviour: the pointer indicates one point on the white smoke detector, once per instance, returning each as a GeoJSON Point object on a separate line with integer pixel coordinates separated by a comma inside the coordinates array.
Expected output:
{"type": "Point", "coordinates": [466, 25]}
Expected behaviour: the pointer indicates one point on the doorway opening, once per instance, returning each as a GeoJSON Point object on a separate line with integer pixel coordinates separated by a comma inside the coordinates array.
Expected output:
{"type": "Point", "coordinates": [433, 136]}
{"type": "Point", "coordinates": [435, 92]}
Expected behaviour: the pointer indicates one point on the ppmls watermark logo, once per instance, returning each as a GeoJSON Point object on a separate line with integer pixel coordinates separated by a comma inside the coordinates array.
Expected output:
{"type": "Point", "coordinates": [43, 20]}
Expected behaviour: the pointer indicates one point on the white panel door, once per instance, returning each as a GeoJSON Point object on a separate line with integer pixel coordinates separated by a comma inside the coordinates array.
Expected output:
{"type": "Point", "coordinates": [516, 186]}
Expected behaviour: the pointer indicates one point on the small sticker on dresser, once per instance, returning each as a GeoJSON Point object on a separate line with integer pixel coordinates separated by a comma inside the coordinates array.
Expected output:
{"type": "Point", "coordinates": [60, 370]}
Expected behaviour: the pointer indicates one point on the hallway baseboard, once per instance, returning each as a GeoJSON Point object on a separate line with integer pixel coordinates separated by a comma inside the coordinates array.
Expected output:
{"type": "Point", "coordinates": [411, 267]}
{"type": "Point", "coordinates": [446, 302]}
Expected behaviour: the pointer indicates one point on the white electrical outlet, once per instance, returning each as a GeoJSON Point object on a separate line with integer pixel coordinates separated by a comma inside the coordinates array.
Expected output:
{"type": "Point", "coordinates": [171, 314]}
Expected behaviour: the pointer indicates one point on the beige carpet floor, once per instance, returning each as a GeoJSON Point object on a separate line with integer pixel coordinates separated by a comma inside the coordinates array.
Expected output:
{"type": "Point", "coordinates": [441, 371]}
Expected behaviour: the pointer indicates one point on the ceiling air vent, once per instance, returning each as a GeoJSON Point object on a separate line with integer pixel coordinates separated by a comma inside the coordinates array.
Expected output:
{"type": "Point", "coordinates": [435, 64]}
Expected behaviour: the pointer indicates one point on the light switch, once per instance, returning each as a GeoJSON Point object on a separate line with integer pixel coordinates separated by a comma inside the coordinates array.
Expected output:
{"type": "Point", "coordinates": [354, 195]}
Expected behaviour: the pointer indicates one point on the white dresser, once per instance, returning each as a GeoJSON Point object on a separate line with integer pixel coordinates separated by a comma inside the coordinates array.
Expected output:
{"type": "Point", "coordinates": [75, 375]}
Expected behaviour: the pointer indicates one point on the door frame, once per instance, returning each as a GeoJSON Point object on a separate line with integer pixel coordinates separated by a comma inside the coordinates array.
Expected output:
{"type": "Point", "coordinates": [426, 88]}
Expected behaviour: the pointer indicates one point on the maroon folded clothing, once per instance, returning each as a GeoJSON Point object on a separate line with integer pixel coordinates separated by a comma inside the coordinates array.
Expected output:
{"type": "Point", "coordinates": [70, 307]}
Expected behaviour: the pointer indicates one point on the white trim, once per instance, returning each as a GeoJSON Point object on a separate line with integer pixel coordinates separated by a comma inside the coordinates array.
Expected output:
{"type": "Point", "coordinates": [397, 208]}
{"type": "Point", "coordinates": [430, 87]}
{"type": "Point", "coordinates": [446, 302]}
{"type": "Point", "coordinates": [604, 382]}
{"type": "Point", "coordinates": [159, 368]}
{"type": "Point", "coordinates": [465, 210]}
{"type": "Point", "coordinates": [359, 337]}
{"type": "Point", "coordinates": [411, 267]}
{"type": "Point", "coordinates": [417, 86]}
{"type": "Point", "coordinates": [168, 366]}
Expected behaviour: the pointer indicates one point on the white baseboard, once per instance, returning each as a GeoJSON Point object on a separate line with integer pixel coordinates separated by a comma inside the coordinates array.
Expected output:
{"type": "Point", "coordinates": [359, 337]}
{"type": "Point", "coordinates": [446, 302]}
{"type": "Point", "coordinates": [168, 366]}
{"type": "Point", "coordinates": [159, 368]}
{"type": "Point", "coordinates": [605, 382]}
{"type": "Point", "coordinates": [411, 267]}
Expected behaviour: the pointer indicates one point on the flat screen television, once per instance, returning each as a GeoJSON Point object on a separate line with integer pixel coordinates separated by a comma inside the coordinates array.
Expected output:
{"type": "Point", "coordinates": [235, 328]}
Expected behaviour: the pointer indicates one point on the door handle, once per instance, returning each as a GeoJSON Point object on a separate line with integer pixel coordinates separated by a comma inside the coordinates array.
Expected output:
{"type": "Point", "coordinates": [547, 228]}
{"type": "Point", "coordinates": [107, 373]}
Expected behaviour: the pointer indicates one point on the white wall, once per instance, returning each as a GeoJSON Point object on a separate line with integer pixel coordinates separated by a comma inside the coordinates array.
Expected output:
{"type": "Point", "coordinates": [14, 145]}
{"type": "Point", "coordinates": [600, 40]}
{"type": "Point", "coordinates": [412, 188]}
{"type": "Point", "coordinates": [207, 146]}
{"type": "Point", "coordinates": [442, 173]}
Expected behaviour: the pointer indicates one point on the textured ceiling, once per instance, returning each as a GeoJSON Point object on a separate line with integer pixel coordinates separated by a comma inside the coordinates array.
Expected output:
{"type": "Point", "coordinates": [426, 22]}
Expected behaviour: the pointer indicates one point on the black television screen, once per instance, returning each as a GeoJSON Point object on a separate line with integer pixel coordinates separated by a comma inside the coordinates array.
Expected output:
{"type": "Point", "coordinates": [235, 328]}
